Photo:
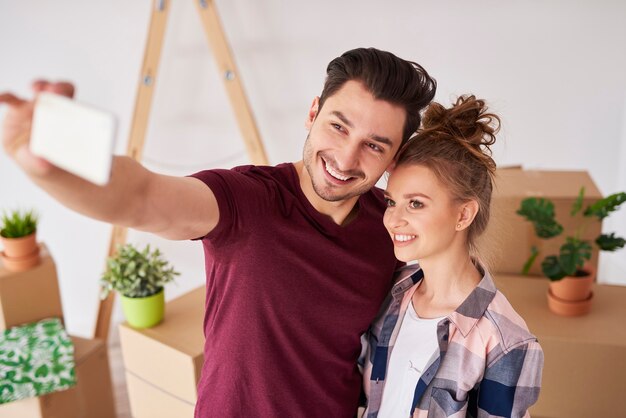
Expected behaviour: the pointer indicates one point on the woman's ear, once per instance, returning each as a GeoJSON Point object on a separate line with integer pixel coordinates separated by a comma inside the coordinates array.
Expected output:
{"type": "Point", "coordinates": [467, 212]}
{"type": "Point", "coordinates": [312, 113]}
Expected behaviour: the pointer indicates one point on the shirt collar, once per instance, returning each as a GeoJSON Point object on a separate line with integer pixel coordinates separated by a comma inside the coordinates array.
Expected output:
{"type": "Point", "coordinates": [475, 305]}
{"type": "Point", "coordinates": [469, 312]}
{"type": "Point", "coordinates": [405, 278]}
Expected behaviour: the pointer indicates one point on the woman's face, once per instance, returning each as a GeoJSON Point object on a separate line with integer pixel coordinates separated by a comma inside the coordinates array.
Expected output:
{"type": "Point", "coordinates": [421, 215]}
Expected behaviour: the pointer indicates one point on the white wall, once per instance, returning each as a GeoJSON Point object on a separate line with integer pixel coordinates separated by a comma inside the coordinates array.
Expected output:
{"type": "Point", "coordinates": [555, 71]}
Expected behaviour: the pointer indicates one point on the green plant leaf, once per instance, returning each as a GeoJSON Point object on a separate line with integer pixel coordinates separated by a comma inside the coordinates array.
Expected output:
{"type": "Point", "coordinates": [552, 269]}
{"type": "Point", "coordinates": [603, 207]}
{"type": "Point", "coordinates": [540, 212]}
{"type": "Point", "coordinates": [578, 203]}
{"type": "Point", "coordinates": [609, 242]}
{"type": "Point", "coordinates": [534, 252]}
{"type": "Point", "coordinates": [573, 255]}
{"type": "Point", "coordinates": [135, 273]}
{"type": "Point", "coordinates": [17, 223]}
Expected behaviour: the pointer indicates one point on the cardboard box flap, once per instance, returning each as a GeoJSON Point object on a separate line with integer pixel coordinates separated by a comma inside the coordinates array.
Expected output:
{"type": "Point", "coordinates": [84, 348]}
{"type": "Point", "coordinates": [551, 184]}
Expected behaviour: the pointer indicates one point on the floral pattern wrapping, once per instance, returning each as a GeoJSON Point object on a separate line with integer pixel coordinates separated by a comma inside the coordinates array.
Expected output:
{"type": "Point", "coordinates": [35, 359]}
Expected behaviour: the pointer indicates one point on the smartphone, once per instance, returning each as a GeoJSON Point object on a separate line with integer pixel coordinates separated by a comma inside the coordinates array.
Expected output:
{"type": "Point", "coordinates": [74, 136]}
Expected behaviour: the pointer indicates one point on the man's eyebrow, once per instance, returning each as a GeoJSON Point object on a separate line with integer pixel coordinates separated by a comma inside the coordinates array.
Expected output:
{"type": "Point", "coordinates": [381, 139]}
{"type": "Point", "coordinates": [342, 117]}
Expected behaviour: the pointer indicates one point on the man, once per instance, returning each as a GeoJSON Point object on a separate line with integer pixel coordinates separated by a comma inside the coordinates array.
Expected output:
{"type": "Point", "coordinates": [297, 258]}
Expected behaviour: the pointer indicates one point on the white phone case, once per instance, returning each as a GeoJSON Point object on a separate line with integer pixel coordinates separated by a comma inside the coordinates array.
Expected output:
{"type": "Point", "coordinates": [73, 136]}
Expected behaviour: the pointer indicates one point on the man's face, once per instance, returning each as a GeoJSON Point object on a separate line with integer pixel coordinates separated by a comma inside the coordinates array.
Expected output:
{"type": "Point", "coordinates": [351, 141]}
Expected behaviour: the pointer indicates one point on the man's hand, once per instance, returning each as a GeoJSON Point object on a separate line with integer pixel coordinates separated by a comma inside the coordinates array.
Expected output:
{"type": "Point", "coordinates": [17, 123]}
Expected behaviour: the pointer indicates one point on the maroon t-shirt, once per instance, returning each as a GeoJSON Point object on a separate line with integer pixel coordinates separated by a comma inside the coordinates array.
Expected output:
{"type": "Point", "coordinates": [288, 294]}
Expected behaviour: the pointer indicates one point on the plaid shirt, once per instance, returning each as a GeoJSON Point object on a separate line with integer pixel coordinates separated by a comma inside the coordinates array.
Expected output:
{"type": "Point", "coordinates": [488, 363]}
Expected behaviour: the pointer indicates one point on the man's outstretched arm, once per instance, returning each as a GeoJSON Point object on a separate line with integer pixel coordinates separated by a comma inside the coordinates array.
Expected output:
{"type": "Point", "coordinates": [172, 207]}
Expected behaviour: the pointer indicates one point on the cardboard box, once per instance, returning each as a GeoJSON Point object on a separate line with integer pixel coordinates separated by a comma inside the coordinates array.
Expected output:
{"type": "Point", "coordinates": [505, 245]}
{"type": "Point", "coordinates": [585, 357]}
{"type": "Point", "coordinates": [92, 397]}
{"type": "Point", "coordinates": [30, 296]}
{"type": "Point", "coordinates": [147, 400]}
{"type": "Point", "coordinates": [95, 387]}
{"type": "Point", "coordinates": [163, 363]}
{"type": "Point", "coordinates": [54, 405]}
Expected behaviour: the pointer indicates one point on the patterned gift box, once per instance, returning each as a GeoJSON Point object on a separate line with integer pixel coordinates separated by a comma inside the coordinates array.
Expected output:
{"type": "Point", "coordinates": [35, 359]}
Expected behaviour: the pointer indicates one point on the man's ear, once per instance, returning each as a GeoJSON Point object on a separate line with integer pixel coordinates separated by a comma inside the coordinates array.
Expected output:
{"type": "Point", "coordinates": [312, 113]}
{"type": "Point", "coordinates": [467, 212]}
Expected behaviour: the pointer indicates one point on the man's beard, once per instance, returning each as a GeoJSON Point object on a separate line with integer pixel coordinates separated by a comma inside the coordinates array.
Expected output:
{"type": "Point", "coordinates": [323, 191]}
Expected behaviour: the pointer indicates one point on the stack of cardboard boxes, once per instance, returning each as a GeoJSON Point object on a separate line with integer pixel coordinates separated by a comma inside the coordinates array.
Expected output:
{"type": "Point", "coordinates": [585, 357]}
{"type": "Point", "coordinates": [31, 296]}
{"type": "Point", "coordinates": [163, 363]}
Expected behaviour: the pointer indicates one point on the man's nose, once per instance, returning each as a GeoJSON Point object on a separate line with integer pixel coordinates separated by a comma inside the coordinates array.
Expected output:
{"type": "Point", "coordinates": [347, 157]}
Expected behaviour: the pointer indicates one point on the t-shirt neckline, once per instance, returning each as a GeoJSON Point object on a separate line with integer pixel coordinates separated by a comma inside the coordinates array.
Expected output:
{"type": "Point", "coordinates": [324, 220]}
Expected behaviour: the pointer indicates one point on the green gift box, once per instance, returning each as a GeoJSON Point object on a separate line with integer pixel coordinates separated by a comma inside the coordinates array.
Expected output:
{"type": "Point", "coordinates": [35, 359]}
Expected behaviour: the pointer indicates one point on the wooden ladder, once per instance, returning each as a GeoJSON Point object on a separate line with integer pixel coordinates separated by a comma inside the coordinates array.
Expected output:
{"type": "Point", "coordinates": [240, 105]}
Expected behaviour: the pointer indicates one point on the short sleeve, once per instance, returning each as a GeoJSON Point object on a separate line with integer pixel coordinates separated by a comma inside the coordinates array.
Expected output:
{"type": "Point", "coordinates": [242, 198]}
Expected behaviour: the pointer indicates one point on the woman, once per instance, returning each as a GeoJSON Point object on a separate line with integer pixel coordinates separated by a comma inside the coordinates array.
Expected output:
{"type": "Point", "coordinates": [447, 342]}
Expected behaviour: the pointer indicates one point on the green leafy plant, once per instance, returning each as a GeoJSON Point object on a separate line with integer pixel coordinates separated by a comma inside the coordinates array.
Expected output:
{"type": "Point", "coordinates": [18, 224]}
{"type": "Point", "coordinates": [575, 250]}
{"type": "Point", "coordinates": [136, 273]}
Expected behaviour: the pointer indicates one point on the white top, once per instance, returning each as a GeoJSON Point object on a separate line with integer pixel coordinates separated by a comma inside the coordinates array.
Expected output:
{"type": "Point", "coordinates": [415, 345]}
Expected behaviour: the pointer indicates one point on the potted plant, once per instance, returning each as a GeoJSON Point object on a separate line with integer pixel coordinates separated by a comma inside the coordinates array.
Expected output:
{"type": "Point", "coordinates": [571, 276]}
{"type": "Point", "coordinates": [139, 277]}
{"type": "Point", "coordinates": [19, 240]}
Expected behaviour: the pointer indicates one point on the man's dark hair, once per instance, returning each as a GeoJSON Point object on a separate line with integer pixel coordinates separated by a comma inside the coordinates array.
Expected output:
{"type": "Point", "coordinates": [386, 77]}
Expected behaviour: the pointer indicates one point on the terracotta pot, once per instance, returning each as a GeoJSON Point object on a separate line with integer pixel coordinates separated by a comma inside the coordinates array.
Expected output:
{"type": "Point", "coordinates": [567, 308]}
{"type": "Point", "coordinates": [17, 264]}
{"type": "Point", "coordinates": [20, 254]}
{"type": "Point", "coordinates": [572, 295]}
{"type": "Point", "coordinates": [573, 289]}
{"type": "Point", "coordinates": [20, 247]}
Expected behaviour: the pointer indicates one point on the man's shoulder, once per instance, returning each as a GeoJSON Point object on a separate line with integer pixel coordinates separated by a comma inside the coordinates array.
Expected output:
{"type": "Point", "coordinates": [282, 173]}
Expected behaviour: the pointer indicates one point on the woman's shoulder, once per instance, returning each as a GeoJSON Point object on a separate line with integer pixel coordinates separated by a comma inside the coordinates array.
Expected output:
{"type": "Point", "coordinates": [504, 327]}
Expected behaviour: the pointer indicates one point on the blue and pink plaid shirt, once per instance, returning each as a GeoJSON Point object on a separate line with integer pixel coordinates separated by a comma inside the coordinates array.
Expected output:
{"type": "Point", "coordinates": [488, 363]}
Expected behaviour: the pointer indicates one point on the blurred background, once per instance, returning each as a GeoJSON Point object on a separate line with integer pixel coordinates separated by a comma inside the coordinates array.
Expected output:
{"type": "Point", "coordinates": [555, 71]}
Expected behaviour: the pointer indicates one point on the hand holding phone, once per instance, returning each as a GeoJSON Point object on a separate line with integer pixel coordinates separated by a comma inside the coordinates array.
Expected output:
{"type": "Point", "coordinates": [17, 123]}
{"type": "Point", "coordinates": [73, 136]}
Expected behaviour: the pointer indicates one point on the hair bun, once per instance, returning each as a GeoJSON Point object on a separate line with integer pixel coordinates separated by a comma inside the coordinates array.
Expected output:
{"type": "Point", "coordinates": [467, 121]}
